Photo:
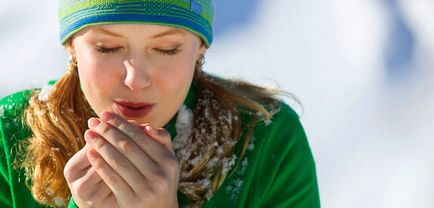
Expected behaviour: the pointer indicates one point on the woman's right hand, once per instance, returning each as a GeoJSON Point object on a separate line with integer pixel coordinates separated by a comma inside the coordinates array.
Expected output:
{"type": "Point", "coordinates": [87, 187]}
{"type": "Point", "coordinates": [85, 184]}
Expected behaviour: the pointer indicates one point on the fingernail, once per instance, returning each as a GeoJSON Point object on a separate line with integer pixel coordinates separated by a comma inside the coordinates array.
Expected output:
{"type": "Point", "coordinates": [106, 116]}
{"type": "Point", "coordinates": [93, 122]}
{"type": "Point", "coordinates": [151, 130]}
{"type": "Point", "coordinates": [89, 136]}
{"type": "Point", "coordinates": [93, 154]}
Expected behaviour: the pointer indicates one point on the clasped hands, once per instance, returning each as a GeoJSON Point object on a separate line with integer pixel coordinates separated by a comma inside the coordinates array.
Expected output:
{"type": "Point", "coordinates": [123, 164]}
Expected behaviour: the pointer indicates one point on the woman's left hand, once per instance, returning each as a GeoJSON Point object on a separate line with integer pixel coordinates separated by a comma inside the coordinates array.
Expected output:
{"type": "Point", "coordinates": [137, 163]}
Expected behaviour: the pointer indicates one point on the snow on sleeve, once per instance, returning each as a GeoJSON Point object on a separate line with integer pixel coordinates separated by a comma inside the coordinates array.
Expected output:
{"type": "Point", "coordinates": [2, 110]}
{"type": "Point", "coordinates": [45, 92]}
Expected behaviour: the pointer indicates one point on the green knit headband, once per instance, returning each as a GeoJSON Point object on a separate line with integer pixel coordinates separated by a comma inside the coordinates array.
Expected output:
{"type": "Point", "coordinates": [193, 15]}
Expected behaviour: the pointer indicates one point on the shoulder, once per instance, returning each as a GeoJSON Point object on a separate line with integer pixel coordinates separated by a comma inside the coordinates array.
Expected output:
{"type": "Point", "coordinates": [14, 101]}
{"type": "Point", "coordinates": [281, 139]}
{"type": "Point", "coordinates": [284, 122]}
{"type": "Point", "coordinates": [283, 136]}
{"type": "Point", "coordinates": [283, 113]}
{"type": "Point", "coordinates": [12, 108]}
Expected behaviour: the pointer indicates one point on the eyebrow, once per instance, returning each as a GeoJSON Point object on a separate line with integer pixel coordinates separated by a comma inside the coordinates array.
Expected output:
{"type": "Point", "coordinates": [168, 32]}
{"type": "Point", "coordinates": [173, 31]}
{"type": "Point", "coordinates": [107, 32]}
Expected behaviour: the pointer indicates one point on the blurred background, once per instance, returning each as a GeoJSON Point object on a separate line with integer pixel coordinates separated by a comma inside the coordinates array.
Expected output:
{"type": "Point", "coordinates": [363, 70]}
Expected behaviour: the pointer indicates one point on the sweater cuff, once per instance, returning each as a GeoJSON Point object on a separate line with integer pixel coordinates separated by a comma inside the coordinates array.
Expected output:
{"type": "Point", "coordinates": [72, 203]}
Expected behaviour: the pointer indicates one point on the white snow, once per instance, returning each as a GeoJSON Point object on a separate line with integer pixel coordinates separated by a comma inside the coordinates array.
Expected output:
{"type": "Point", "coordinates": [59, 202]}
{"type": "Point", "coordinates": [268, 122]}
{"type": "Point", "coordinates": [2, 111]}
{"type": "Point", "coordinates": [184, 123]}
{"type": "Point", "coordinates": [55, 149]}
{"type": "Point", "coordinates": [45, 92]}
{"type": "Point", "coordinates": [228, 163]}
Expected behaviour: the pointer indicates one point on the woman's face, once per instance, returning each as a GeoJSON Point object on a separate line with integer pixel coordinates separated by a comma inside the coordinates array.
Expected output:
{"type": "Point", "coordinates": [150, 66]}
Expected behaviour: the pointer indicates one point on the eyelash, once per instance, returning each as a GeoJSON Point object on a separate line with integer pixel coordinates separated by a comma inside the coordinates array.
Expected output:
{"type": "Point", "coordinates": [107, 50]}
{"type": "Point", "coordinates": [168, 52]}
{"type": "Point", "coordinates": [163, 52]}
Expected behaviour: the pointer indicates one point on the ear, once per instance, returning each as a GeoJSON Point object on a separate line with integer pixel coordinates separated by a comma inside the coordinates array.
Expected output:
{"type": "Point", "coordinates": [202, 50]}
{"type": "Point", "coordinates": [70, 48]}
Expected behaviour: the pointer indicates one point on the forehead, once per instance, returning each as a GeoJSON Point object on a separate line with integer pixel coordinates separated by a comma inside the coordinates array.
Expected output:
{"type": "Point", "coordinates": [132, 30]}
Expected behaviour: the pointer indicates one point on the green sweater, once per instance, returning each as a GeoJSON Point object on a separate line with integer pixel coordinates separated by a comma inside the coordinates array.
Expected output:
{"type": "Point", "coordinates": [278, 169]}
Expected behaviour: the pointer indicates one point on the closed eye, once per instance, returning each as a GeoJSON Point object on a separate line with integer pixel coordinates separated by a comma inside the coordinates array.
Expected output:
{"type": "Point", "coordinates": [107, 50]}
{"type": "Point", "coordinates": [161, 51]}
{"type": "Point", "coordinates": [168, 52]}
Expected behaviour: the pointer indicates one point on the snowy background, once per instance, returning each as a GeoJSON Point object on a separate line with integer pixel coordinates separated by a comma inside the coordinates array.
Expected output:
{"type": "Point", "coordinates": [363, 69]}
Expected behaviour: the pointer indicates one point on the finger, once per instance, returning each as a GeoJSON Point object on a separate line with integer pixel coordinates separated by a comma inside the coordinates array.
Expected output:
{"type": "Point", "coordinates": [109, 201]}
{"type": "Point", "coordinates": [85, 186]}
{"type": "Point", "coordinates": [125, 145]}
{"type": "Point", "coordinates": [113, 180]}
{"type": "Point", "coordinates": [153, 149]}
{"type": "Point", "coordinates": [161, 135]}
{"type": "Point", "coordinates": [77, 166]}
{"type": "Point", "coordinates": [98, 198]}
{"type": "Point", "coordinates": [119, 163]}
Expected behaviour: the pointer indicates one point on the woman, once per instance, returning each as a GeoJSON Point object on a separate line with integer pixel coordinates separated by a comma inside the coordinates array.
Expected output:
{"type": "Point", "coordinates": [135, 122]}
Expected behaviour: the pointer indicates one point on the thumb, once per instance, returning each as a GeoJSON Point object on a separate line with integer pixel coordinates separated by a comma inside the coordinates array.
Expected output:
{"type": "Point", "coordinates": [160, 135]}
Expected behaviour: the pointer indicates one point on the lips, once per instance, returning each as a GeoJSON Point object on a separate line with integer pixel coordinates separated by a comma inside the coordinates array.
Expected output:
{"type": "Point", "coordinates": [134, 110]}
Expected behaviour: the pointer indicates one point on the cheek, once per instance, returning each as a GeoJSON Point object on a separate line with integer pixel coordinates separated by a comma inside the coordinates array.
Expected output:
{"type": "Point", "coordinates": [97, 82]}
{"type": "Point", "coordinates": [96, 72]}
{"type": "Point", "coordinates": [93, 69]}
{"type": "Point", "coordinates": [177, 76]}
{"type": "Point", "coordinates": [173, 84]}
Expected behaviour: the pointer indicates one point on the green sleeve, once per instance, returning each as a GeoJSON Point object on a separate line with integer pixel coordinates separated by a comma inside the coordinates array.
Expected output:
{"type": "Point", "coordinates": [72, 203]}
{"type": "Point", "coordinates": [288, 164]}
{"type": "Point", "coordinates": [277, 170]}
{"type": "Point", "coordinates": [13, 190]}
{"type": "Point", "coordinates": [5, 191]}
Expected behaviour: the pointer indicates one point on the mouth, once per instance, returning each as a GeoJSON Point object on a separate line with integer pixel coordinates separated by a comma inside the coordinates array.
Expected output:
{"type": "Point", "coordinates": [134, 110]}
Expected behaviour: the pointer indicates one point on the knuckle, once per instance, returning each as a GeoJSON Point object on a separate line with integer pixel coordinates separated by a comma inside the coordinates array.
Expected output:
{"type": "Point", "coordinates": [160, 183]}
{"type": "Point", "coordinates": [112, 179]}
{"type": "Point", "coordinates": [104, 128]}
{"type": "Point", "coordinates": [99, 144]}
{"type": "Point", "coordinates": [116, 122]}
{"type": "Point", "coordinates": [116, 163]}
{"type": "Point", "coordinates": [126, 145]}
{"type": "Point", "coordinates": [172, 163]}
{"type": "Point", "coordinates": [98, 164]}
{"type": "Point", "coordinates": [67, 171]}
{"type": "Point", "coordinates": [81, 189]}
{"type": "Point", "coordinates": [143, 143]}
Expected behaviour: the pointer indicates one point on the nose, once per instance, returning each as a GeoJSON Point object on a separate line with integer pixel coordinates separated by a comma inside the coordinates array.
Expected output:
{"type": "Point", "coordinates": [137, 77]}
